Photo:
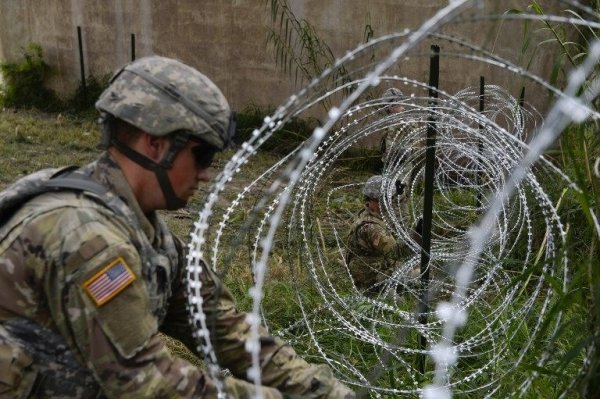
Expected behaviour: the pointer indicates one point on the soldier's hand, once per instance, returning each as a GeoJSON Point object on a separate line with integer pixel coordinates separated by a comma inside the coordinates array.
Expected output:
{"type": "Point", "coordinates": [400, 187]}
{"type": "Point", "coordinates": [241, 389]}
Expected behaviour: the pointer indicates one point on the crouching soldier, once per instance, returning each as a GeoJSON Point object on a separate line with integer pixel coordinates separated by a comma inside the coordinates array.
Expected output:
{"type": "Point", "coordinates": [372, 250]}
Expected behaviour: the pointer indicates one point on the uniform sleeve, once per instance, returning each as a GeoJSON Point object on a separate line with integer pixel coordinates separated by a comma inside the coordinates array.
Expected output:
{"type": "Point", "coordinates": [176, 323]}
{"type": "Point", "coordinates": [282, 368]}
{"type": "Point", "coordinates": [383, 243]}
{"type": "Point", "coordinates": [109, 326]}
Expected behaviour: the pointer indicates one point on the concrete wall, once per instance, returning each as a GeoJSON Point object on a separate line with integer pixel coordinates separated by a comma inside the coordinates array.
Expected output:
{"type": "Point", "coordinates": [226, 40]}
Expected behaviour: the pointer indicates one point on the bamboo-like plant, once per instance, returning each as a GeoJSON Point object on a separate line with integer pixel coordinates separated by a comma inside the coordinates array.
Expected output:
{"type": "Point", "coordinates": [299, 50]}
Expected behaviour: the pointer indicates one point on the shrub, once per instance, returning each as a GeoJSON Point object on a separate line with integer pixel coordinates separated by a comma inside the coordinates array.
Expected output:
{"type": "Point", "coordinates": [283, 140]}
{"type": "Point", "coordinates": [24, 82]}
{"type": "Point", "coordinates": [83, 100]}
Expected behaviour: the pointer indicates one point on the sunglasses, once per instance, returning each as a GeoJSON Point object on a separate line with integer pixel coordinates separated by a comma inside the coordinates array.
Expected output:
{"type": "Point", "coordinates": [203, 154]}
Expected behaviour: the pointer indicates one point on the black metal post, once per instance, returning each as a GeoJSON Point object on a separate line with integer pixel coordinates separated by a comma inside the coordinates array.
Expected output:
{"type": "Point", "coordinates": [434, 77]}
{"type": "Point", "coordinates": [479, 142]}
{"type": "Point", "coordinates": [81, 64]}
{"type": "Point", "coordinates": [522, 97]}
{"type": "Point", "coordinates": [133, 47]}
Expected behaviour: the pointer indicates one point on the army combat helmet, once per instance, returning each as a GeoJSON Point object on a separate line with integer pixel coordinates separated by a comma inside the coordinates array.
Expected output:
{"type": "Point", "coordinates": [164, 97]}
{"type": "Point", "coordinates": [393, 94]}
{"type": "Point", "coordinates": [372, 188]}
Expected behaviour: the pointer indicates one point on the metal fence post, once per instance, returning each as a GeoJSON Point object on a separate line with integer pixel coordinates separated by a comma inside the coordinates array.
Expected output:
{"type": "Point", "coordinates": [434, 77]}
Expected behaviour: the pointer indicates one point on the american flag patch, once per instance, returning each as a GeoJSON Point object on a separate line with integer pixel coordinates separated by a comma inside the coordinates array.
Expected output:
{"type": "Point", "coordinates": [107, 283]}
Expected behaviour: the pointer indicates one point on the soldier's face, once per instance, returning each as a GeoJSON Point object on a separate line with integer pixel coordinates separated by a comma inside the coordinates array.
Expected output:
{"type": "Point", "coordinates": [396, 109]}
{"type": "Point", "coordinates": [374, 205]}
{"type": "Point", "coordinates": [186, 173]}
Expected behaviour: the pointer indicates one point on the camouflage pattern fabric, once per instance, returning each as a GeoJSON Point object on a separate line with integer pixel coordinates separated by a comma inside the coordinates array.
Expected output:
{"type": "Point", "coordinates": [389, 144]}
{"type": "Point", "coordinates": [161, 95]}
{"type": "Point", "coordinates": [57, 373]}
{"type": "Point", "coordinates": [30, 185]}
{"type": "Point", "coordinates": [58, 245]}
{"type": "Point", "coordinates": [373, 187]}
{"type": "Point", "coordinates": [392, 94]}
{"type": "Point", "coordinates": [372, 250]}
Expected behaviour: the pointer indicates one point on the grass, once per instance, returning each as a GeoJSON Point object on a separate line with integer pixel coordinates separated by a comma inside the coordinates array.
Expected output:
{"type": "Point", "coordinates": [31, 140]}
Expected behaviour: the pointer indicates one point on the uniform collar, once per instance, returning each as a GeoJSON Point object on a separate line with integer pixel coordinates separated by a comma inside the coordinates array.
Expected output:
{"type": "Point", "coordinates": [368, 212]}
{"type": "Point", "coordinates": [107, 172]}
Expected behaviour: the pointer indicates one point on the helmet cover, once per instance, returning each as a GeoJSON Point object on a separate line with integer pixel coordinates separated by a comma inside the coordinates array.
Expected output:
{"type": "Point", "coordinates": [372, 188]}
{"type": "Point", "coordinates": [161, 95]}
{"type": "Point", "coordinates": [393, 94]}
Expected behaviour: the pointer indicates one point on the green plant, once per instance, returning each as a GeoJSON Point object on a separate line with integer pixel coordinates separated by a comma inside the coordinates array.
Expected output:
{"type": "Point", "coordinates": [284, 140]}
{"type": "Point", "coordinates": [580, 147]}
{"type": "Point", "coordinates": [83, 98]}
{"type": "Point", "coordinates": [299, 50]}
{"type": "Point", "coordinates": [578, 337]}
{"type": "Point", "coordinates": [571, 40]}
{"type": "Point", "coordinates": [25, 81]}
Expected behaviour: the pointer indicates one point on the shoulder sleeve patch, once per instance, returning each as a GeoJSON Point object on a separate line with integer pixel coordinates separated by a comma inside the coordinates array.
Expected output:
{"type": "Point", "coordinates": [109, 282]}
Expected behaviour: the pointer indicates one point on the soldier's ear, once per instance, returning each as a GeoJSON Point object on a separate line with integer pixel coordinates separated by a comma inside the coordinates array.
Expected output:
{"type": "Point", "coordinates": [154, 147]}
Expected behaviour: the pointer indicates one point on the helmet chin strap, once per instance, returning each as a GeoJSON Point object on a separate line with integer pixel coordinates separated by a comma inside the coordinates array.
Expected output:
{"type": "Point", "coordinates": [172, 200]}
{"type": "Point", "coordinates": [160, 169]}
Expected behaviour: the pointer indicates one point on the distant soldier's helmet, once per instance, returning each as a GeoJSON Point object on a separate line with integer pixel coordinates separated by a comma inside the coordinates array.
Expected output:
{"type": "Point", "coordinates": [161, 95]}
{"type": "Point", "coordinates": [373, 187]}
{"type": "Point", "coordinates": [392, 95]}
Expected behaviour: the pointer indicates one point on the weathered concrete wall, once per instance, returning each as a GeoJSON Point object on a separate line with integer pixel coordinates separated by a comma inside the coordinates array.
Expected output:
{"type": "Point", "coordinates": [226, 40]}
{"type": "Point", "coordinates": [223, 39]}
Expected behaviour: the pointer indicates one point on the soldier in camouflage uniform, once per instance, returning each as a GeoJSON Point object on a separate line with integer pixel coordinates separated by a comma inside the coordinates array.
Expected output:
{"type": "Point", "coordinates": [392, 134]}
{"type": "Point", "coordinates": [372, 250]}
{"type": "Point", "coordinates": [89, 274]}
{"type": "Point", "coordinates": [391, 150]}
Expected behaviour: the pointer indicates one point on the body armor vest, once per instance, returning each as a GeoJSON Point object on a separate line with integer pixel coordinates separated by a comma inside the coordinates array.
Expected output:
{"type": "Point", "coordinates": [157, 262]}
{"type": "Point", "coordinates": [160, 266]}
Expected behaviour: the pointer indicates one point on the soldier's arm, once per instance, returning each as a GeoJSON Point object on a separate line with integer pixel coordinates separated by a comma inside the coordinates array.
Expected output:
{"type": "Point", "coordinates": [282, 368]}
{"type": "Point", "coordinates": [176, 323]}
{"type": "Point", "coordinates": [382, 242]}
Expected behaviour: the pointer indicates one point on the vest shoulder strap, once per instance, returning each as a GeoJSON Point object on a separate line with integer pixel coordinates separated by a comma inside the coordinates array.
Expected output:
{"type": "Point", "coordinates": [47, 180]}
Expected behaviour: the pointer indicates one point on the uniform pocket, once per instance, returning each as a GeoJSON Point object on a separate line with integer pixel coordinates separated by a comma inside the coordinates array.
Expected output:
{"type": "Point", "coordinates": [16, 375]}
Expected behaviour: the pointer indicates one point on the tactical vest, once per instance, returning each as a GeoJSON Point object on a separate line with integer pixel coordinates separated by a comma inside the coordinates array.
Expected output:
{"type": "Point", "coordinates": [158, 274]}
{"type": "Point", "coordinates": [365, 263]}
{"type": "Point", "coordinates": [356, 246]}
{"type": "Point", "coordinates": [156, 263]}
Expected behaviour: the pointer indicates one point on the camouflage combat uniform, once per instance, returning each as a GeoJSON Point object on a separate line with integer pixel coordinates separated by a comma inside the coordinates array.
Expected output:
{"type": "Point", "coordinates": [372, 250]}
{"type": "Point", "coordinates": [391, 150]}
{"type": "Point", "coordinates": [64, 335]}
{"type": "Point", "coordinates": [390, 144]}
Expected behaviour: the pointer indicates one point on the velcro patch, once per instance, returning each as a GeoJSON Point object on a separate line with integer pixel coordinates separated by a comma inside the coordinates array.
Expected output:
{"type": "Point", "coordinates": [108, 282]}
